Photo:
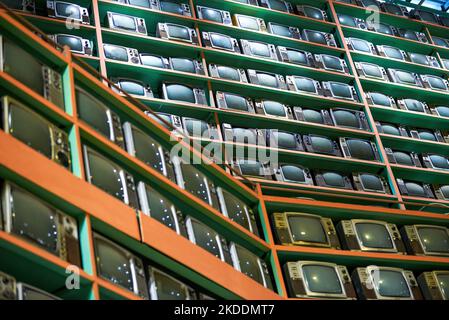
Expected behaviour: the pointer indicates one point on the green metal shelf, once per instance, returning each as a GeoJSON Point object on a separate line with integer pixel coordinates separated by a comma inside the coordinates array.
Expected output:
{"type": "Point", "coordinates": [416, 145]}
{"type": "Point", "coordinates": [421, 174]}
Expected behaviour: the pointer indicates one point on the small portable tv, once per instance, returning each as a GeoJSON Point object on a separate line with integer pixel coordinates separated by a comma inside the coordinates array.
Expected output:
{"type": "Point", "coordinates": [369, 182]}
{"type": "Point", "coordinates": [304, 229]}
{"type": "Point", "coordinates": [126, 23]}
{"type": "Point", "coordinates": [284, 30]}
{"type": "Point", "coordinates": [279, 5]}
{"type": "Point", "coordinates": [215, 15]}
{"type": "Point", "coordinates": [304, 85]}
{"type": "Point", "coordinates": [67, 10]}
{"type": "Point", "coordinates": [332, 179]}
{"type": "Point", "coordinates": [163, 286]}
{"type": "Point", "coordinates": [292, 173]}
{"type": "Point", "coordinates": [267, 79]}
{"type": "Point", "coordinates": [243, 135]}
{"type": "Point", "coordinates": [434, 285]}
{"type": "Point", "coordinates": [321, 144]}
{"type": "Point", "coordinates": [380, 99]}
{"type": "Point", "coordinates": [353, 22]}
{"type": "Point", "coordinates": [385, 283]}
{"type": "Point", "coordinates": [227, 100]}
{"type": "Point", "coordinates": [331, 63]}
{"type": "Point", "coordinates": [119, 266]}
{"type": "Point", "coordinates": [383, 28]}
{"type": "Point", "coordinates": [284, 140]}
{"type": "Point", "coordinates": [370, 236]}
{"type": "Point", "coordinates": [200, 129]}
{"type": "Point", "coordinates": [157, 206]}
{"type": "Point", "coordinates": [314, 116]}
{"type": "Point", "coordinates": [109, 177]}
{"type": "Point", "coordinates": [371, 71]}
{"type": "Point", "coordinates": [435, 161]}
{"type": "Point", "coordinates": [394, 9]}
{"type": "Point", "coordinates": [237, 210]}
{"type": "Point", "coordinates": [311, 12]}
{"type": "Point", "coordinates": [354, 148]}
{"type": "Point", "coordinates": [206, 238]}
{"type": "Point", "coordinates": [441, 111]}
{"type": "Point", "coordinates": [120, 53]}
{"type": "Point", "coordinates": [252, 169]}
{"type": "Point", "coordinates": [412, 35]}
{"type": "Point", "coordinates": [413, 105]}
{"type": "Point", "coordinates": [316, 279]}
{"type": "Point", "coordinates": [415, 189]}
{"type": "Point", "coordinates": [251, 265]}
{"type": "Point", "coordinates": [76, 44]}
{"type": "Point", "coordinates": [405, 77]}
{"type": "Point", "coordinates": [189, 178]}
{"type": "Point", "coordinates": [319, 37]}
{"type": "Point", "coordinates": [348, 118]}
{"type": "Point", "coordinates": [177, 32]}
{"type": "Point", "coordinates": [391, 128]}
{"type": "Point", "coordinates": [424, 16]}
{"type": "Point", "coordinates": [220, 41]}
{"type": "Point", "coordinates": [249, 22]}
{"type": "Point", "coordinates": [427, 134]}
{"type": "Point", "coordinates": [434, 82]}
{"type": "Point", "coordinates": [273, 108]}
{"type": "Point", "coordinates": [35, 131]}
{"type": "Point", "coordinates": [403, 158]}
{"type": "Point", "coordinates": [426, 240]}
{"type": "Point", "coordinates": [172, 6]}
{"type": "Point", "coordinates": [392, 52]}
{"type": "Point", "coordinates": [186, 65]}
{"type": "Point", "coordinates": [132, 87]}
{"type": "Point", "coordinates": [424, 60]}
{"type": "Point", "coordinates": [155, 61]}
{"type": "Point", "coordinates": [228, 73]}
{"type": "Point", "coordinates": [28, 6]}
{"type": "Point", "coordinates": [361, 45]}
{"type": "Point", "coordinates": [339, 90]}
{"type": "Point", "coordinates": [295, 56]}
{"type": "Point", "coordinates": [259, 49]}
{"type": "Point", "coordinates": [183, 93]}
{"type": "Point", "coordinates": [20, 64]}
{"type": "Point", "coordinates": [28, 217]}
{"type": "Point", "coordinates": [441, 191]}
{"type": "Point", "coordinates": [96, 114]}
{"type": "Point", "coordinates": [11, 289]}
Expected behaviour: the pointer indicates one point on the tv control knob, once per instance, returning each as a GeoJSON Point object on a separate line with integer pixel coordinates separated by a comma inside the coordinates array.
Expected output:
{"type": "Point", "coordinates": [413, 282]}
{"type": "Point", "coordinates": [346, 278]}
{"type": "Point", "coordinates": [63, 159]}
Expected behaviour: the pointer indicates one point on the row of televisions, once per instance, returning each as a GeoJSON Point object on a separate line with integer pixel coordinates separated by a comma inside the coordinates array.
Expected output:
{"type": "Point", "coordinates": [31, 218]}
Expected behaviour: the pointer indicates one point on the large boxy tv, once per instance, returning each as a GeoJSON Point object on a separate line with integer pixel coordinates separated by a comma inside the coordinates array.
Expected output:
{"type": "Point", "coordinates": [354, 148]}
{"type": "Point", "coordinates": [120, 53]}
{"type": "Point", "coordinates": [132, 87]}
{"type": "Point", "coordinates": [177, 32]}
{"type": "Point", "coordinates": [316, 279]}
{"type": "Point", "coordinates": [12, 289]}
{"type": "Point", "coordinates": [25, 68]}
{"type": "Point", "coordinates": [163, 286]}
{"type": "Point", "coordinates": [385, 283]}
{"type": "Point", "coordinates": [369, 182]}
{"type": "Point", "coordinates": [278, 5]}
{"type": "Point", "coordinates": [126, 23]}
{"type": "Point", "coordinates": [348, 118]}
{"type": "Point", "coordinates": [321, 144]}
{"type": "Point", "coordinates": [35, 131]}
{"type": "Point", "coordinates": [67, 10]}
{"type": "Point", "coordinates": [434, 285]}
{"type": "Point", "coordinates": [293, 173]}
{"type": "Point", "coordinates": [214, 15]}
{"type": "Point", "coordinates": [76, 44]}
{"type": "Point", "coordinates": [304, 229]}
{"type": "Point", "coordinates": [370, 236]}
{"type": "Point", "coordinates": [259, 49]}
{"type": "Point", "coordinates": [220, 41]}
{"type": "Point", "coordinates": [427, 240]}
{"type": "Point", "coordinates": [26, 216]}
{"type": "Point", "coordinates": [183, 93]}
{"type": "Point", "coordinates": [415, 189]}
{"type": "Point", "coordinates": [172, 6]}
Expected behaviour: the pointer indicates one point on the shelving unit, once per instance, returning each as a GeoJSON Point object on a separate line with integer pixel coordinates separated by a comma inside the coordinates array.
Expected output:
{"type": "Point", "coordinates": [97, 211]}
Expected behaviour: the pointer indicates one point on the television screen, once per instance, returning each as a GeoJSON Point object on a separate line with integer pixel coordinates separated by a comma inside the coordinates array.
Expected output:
{"type": "Point", "coordinates": [267, 79]}
{"type": "Point", "coordinates": [212, 14]}
{"type": "Point", "coordinates": [29, 293]}
{"type": "Point", "coordinates": [403, 158]}
{"type": "Point", "coordinates": [360, 45]}
{"type": "Point", "coordinates": [298, 57]}
{"type": "Point", "coordinates": [305, 228]}
{"type": "Point", "coordinates": [305, 84]}
{"type": "Point", "coordinates": [132, 87]}
{"type": "Point", "coordinates": [197, 128]}
{"type": "Point", "coordinates": [415, 189]}
{"type": "Point", "coordinates": [140, 3]}
{"type": "Point", "coordinates": [380, 99]}
{"type": "Point", "coordinates": [322, 279]}
{"type": "Point", "coordinates": [247, 22]}
{"type": "Point", "coordinates": [124, 22]}
{"type": "Point", "coordinates": [314, 116]}
{"type": "Point", "coordinates": [392, 52]}
{"type": "Point", "coordinates": [414, 105]}
{"type": "Point", "coordinates": [167, 288]}
{"type": "Point", "coordinates": [360, 149]}
{"type": "Point", "coordinates": [347, 20]}
{"type": "Point", "coordinates": [408, 34]}
{"type": "Point", "coordinates": [374, 235]}
{"type": "Point", "coordinates": [426, 135]}
{"type": "Point", "coordinates": [435, 240]}
{"type": "Point", "coordinates": [391, 284]}
{"type": "Point", "coordinates": [114, 263]}
{"type": "Point", "coordinates": [182, 64]}
{"type": "Point", "coordinates": [316, 37]}
{"type": "Point", "coordinates": [390, 129]}
{"type": "Point", "coordinates": [221, 41]}
{"type": "Point", "coordinates": [443, 111]}
{"type": "Point", "coordinates": [371, 182]}
{"type": "Point", "coordinates": [405, 77]}
{"type": "Point", "coordinates": [179, 92]}
{"type": "Point", "coordinates": [115, 52]}
{"type": "Point", "coordinates": [372, 70]}
{"type": "Point", "coordinates": [392, 8]}
{"type": "Point", "coordinates": [68, 10]}
{"type": "Point", "coordinates": [292, 173]}
{"type": "Point", "coordinates": [228, 73]}
{"type": "Point", "coordinates": [178, 32]}
{"type": "Point", "coordinates": [313, 12]}
{"type": "Point", "coordinates": [285, 140]}
{"type": "Point", "coordinates": [195, 182]}
{"type": "Point", "coordinates": [439, 162]}
{"type": "Point", "coordinates": [443, 280]}
{"type": "Point", "coordinates": [152, 60]}
{"type": "Point", "coordinates": [369, 3]}
{"type": "Point", "coordinates": [250, 167]}
{"type": "Point", "coordinates": [104, 174]}
{"type": "Point", "coordinates": [260, 49]}
{"type": "Point", "coordinates": [204, 237]}
{"type": "Point", "coordinates": [74, 43]}
{"type": "Point", "coordinates": [28, 127]}
{"type": "Point", "coordinates": [419, 58]}
{"type": "Point", "coordinates": [445, 191]}
{"type": "Point", "coordinates": [236, 102]}
{"type": "Point", "coordinates": [332, 63]}
{"type": "Point", "coordinates": [333, 179]}
{"type": "Point", "coordinates": [279, 5]}
{"type": "Point", "coordinates": [345, 118]}
{"type": "Point", "coordinates": [384, 28]}
{"type": "Point", "coordinates": [341, 90]}
{"type": "Point", "coordinates": [281, 30]}
{"type": "Point", "coordinates": [322, 145]}
{"type": "Point", "coordinates": [236, 210]}
{"type": "Point", "coordinates": [249, 264]}
{"type": "Point", "coordinates": [93, 112]}
{"type": "Point", "coordinates": [274, 108]}
{"type": "Point", "coordinates": [436, 82]}
{"type": "Point", "coordinates": [441, 42]}
{"type": "Point", "coordinates": [157, 206]}
{"type": "Point", "coordinates": [172, 6]}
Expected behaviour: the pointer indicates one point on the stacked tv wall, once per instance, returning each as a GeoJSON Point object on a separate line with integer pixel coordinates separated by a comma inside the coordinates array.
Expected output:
{"type": "Point", "coordinates": [113, 219]}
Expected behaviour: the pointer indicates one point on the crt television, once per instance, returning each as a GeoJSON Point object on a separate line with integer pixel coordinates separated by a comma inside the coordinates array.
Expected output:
{"type": "Point", "coordinates": [434, 285]}
{"type": "Point", "coordinates": [172, 6]}
{"type": "Point", "coordinates": [392, 52]}
{"type": "Point", "coordinates": [249, 22]}
{"type": "Point", "coordinates": [295, 56]}
{"type": "Point", "coordinates": [319, 37]}
{"type": "Point", "coordinates": [415, 189]}
{"type": "Point", "coordinates": [404, 77]}
{"type": "Point", "coordinates": [67, 10]}
{"type": "Point", "coordinates": [333, 179]}
{"type": "Point", "coordinates": [370, 236]}
{"type": "Point", "coordinates": [284, 30]}
{"type": "Point", "coordinates": [293, 173]}
{"type": "Point", "coordinates": [32, 219]}
{"type": "Point", "coordinates": [348, 118]}
{"type": "Point", "coordinates": [186, 65]}
{"type": "Point", "coordinates": [380, 100]}
{"type": "Point", "coordinates": [163, 286]}
{"type": "Point", "coordinates": [284, 140]}
{"type": "Point", "coordinates": [322, 145]}
{"type": "Point", "coordinates": [314, 116]}
{"type": "Point", "coordinates": [119, 53]}
{"type": "Point", "coordinates": [184, 93]}
{"type": "Point", "coordinates": [35, 131]}
{"type": "Point", "coordinates": [304, 229]}
{"type": "Point", "coordinates": [215, 15]}
{"type": "Point", "coordinates": [176, 32]}
{"type": "Point", "coordinates": [228, 73]}
{"type": "Point", "coordinates": [316, 279]}
{"type": "Point", "coordinates": [311, 12]}
{"type": "Point", "coordinates": [267, 79]}
{"type": "Point", "coordinates": [259, 49]}
{"type": "Point", "coordinates": [22, 5]}
{"type": "Point", "coordinates": [220, 41]}
{"type": "Point", "coordinates": [354, 148]}
{"type": "Point", "coordinates": [426, 240]}
{"type": "Point", "coordinates": [132, 87]}
{"type": "Point", "coordinates": [361, 45]}
{"type": "Point", "coordinates": [13, 290]}
{"type": "Point", "coordinates": [435, 161]}
{"type": "Point", "coordinates": [331, 63]}
{"type": "Point", "coordinates": [76, 44]}
{"type": "Point", "coordinates": [252, 168]}
{"type": "Point", "coordinates": [369, 182]}
{"type": "Point", "coordinates": [20, 64]}
{"type": "Point", "coordinates": [279, 5]}
{"type": "Point", "coordinates": [339, 90]}
{"type": "Point", "coordinates": [126, 23]}
{"type": "Point", "coordinates": [226, 100]}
